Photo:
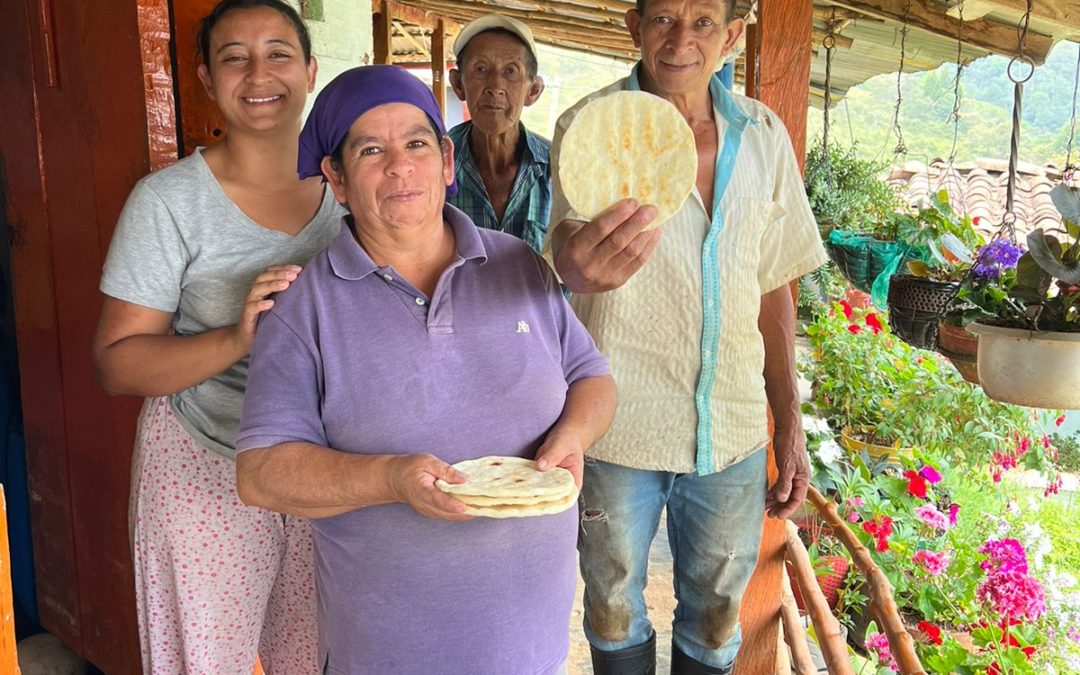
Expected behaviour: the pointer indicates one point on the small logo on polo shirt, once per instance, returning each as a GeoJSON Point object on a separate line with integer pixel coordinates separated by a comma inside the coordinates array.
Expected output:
{"type": "Point", "coordinates": [523, 327]}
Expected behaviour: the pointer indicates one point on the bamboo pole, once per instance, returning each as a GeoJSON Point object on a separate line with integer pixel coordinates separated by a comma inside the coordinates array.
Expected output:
{"type": "Point", "coordinates": [794, 634]}
{"type": "Point", "coordinates": [882, 605]}
{"type": "Point", "coordinates": [831, 640]}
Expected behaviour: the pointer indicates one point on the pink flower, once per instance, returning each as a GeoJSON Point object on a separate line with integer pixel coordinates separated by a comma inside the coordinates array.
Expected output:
{"type": "Point", "coordinates": [857, 502]}
{"type": "Point", "coordinates": [953, 510]}
{"type": "Point", "coordinates": [930, 474]}
{"type": "Point", "coordinates": [929, 514]}
{"type": "Point", "coordinates": [1046, 441]}
{"type": "Point", "coordinates": [1054, 487]}
{"type": "Point", "coordinates": [1025, 445]}
{"type": "Point", "coordinates": [934, 563]}
{"type": "Point", "coordinates": [853, 517]}
{"type": "Point", "coordinates": [1005, 555]}
{"type": "Point", "coordinates": [1013, 594]}
{"type": "Point", "coordinates": [880, 644]}
{"type": "Point", "coordinates": [1059, 421]}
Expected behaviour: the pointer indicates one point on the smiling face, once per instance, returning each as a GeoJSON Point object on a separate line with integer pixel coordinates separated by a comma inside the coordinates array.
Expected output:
{"type": "Point", "coordinates": [394, 170]}
{"type": "Point", "coordinates": [493, 78]}
{"type": "Point", "coordinates": [682, 42]}
{"type": "Point", "coordinates": [257, 74]}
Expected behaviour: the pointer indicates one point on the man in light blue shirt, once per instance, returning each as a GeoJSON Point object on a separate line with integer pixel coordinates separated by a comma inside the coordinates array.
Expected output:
{"type": "Point", "coordinates": [502, 169]}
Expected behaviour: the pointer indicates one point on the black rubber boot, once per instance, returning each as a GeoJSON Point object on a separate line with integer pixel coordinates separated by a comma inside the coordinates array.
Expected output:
{"type": "Point", "coordinates": [638, 660]}
{"type": "Point", "coordinates": [681, 664]}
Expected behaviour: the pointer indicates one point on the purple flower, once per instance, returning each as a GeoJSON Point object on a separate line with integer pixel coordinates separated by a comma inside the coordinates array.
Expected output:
{"type": "Point", "coordinates": [995, 257]}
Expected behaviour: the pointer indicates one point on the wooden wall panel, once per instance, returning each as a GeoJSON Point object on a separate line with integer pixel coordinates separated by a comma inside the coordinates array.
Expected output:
{"type": "Point", "coordinates": [70, 162]}
{"type": "Point", "coordinates": [201, 123]}
{"type": "Point", "coordinates": [37, 334]}
{"type": "Point", "coordinates": [778, 66]}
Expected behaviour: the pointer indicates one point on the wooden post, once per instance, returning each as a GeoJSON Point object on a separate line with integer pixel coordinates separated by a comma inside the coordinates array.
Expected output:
{"type": "Point", "coordinates": [778, 68]}
{"type": "Point", "coordinates": [438, 65]}
{"type": "Point", "coordinates": [9, 660]}
{"type": "Point", "coordinates": [382, 26]}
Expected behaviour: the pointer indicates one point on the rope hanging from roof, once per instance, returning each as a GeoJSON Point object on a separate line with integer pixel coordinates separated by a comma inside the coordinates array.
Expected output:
{"type": "Point", "coordinates": [901, 147]}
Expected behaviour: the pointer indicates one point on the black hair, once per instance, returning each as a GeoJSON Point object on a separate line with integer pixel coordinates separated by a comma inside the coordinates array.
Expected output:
{"type": "Point", "coordinates": [211, 20]}
{"type": "Point", "coordinates": [531, 66]}
{"type": "Point", "coordinates": [729, 6]}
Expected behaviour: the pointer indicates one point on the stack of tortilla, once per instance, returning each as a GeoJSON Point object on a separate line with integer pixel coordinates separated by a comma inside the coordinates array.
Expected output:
{"type": "Point", "coordinates": [511, 487]}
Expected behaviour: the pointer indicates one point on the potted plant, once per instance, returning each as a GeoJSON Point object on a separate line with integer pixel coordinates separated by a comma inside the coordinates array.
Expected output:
{"type": "Point", "coordinates": [918, 297]}
{"type": "Point", "coordinates": [1029, 344]}
{"type": "Point", "coordinates": [855, 210]}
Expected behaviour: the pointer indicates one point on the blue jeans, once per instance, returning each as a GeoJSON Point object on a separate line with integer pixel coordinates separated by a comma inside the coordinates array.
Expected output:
{"type": "Point", "coordinates": [714, 530]}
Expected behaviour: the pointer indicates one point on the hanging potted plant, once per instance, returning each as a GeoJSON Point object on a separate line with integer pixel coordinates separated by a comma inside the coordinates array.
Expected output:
{"type": "Point", "coordinates": [1029, 346]}
{"type": "Point", "coordinates": [918, 297]}
{"type": "Point", "coordinates": [855, 211]}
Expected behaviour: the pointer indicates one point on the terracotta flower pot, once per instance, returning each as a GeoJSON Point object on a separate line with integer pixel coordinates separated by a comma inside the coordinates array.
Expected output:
{"type": "Point", "coordinates": [829, 582]}
{"type": "Point", "coordinates": [961, 348]}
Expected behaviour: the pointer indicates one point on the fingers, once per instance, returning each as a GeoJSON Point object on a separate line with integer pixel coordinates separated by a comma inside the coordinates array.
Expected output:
{"type": "Point", "coordinates": [597, 230]}
{"type": "Point", "coordinates": [274, 280]}
{"type": "Point", "coordinates": [562, 454]}
{"type": "Point", "coordinates": [416, 487]}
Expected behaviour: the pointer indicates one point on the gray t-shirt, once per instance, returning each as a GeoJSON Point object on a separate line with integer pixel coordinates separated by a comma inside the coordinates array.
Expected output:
{"type": "Point", "coordinates": [183, 246]}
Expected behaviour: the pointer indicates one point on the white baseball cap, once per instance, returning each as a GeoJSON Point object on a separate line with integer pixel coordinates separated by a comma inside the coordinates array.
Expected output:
{"type": "Point", "coordinates": [490, 22]}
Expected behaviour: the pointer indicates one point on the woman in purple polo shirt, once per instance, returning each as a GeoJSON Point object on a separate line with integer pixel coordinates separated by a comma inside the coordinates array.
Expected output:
{"type": "Point", "coordinates": [417, 340]}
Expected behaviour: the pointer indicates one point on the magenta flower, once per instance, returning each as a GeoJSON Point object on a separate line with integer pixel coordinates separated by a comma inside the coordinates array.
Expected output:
{"type": "Point", "coordinates": [930, 474]}
{"type": "Point", "coordinates": [880, 644]}
{"type": "Point", "coordinates": [929, 514]}
{"type": "Point", "coordinates": [934, 563]}
{"type": "Point", "coordinates": [1013, 594]}
{"type": "Point", "coordinates": [1005, 555]}
{"type": "Point", "coordinates": [857, 502]}
{"type": "Point", "coordinates": [953, 510]}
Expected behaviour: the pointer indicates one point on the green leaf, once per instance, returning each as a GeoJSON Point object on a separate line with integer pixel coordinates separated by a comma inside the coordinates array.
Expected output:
{"type": "Point", "coordinates": [918, 268]}
{"type": "Point", "coordinates": [1047, 251]}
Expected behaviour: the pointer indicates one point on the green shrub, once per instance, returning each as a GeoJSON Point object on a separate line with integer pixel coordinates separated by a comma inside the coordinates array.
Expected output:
{"type": "Point", "coordinates": [848, 193]}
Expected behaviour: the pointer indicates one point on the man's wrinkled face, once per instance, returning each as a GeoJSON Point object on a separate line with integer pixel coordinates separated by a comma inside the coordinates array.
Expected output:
{"type": "Point", "coordinates": [493, 79]}
{"type": "Point", "coordinates": [682, 42]}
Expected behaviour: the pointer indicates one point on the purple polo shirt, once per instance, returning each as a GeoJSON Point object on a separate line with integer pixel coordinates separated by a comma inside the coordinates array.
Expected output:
{"type": "Point", "coordinates": [355, 358]}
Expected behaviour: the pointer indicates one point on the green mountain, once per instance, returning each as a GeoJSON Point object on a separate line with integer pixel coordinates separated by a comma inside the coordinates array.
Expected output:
{"type": "Point", "coordinates": [986, 99]}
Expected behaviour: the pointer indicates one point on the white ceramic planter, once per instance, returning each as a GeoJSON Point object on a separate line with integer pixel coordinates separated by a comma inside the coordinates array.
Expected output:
{"type": "Point", "coordinates": [1040, 369]}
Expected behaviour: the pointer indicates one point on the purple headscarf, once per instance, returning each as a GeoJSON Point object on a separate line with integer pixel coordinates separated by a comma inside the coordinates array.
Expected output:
{"type": "Point", "coordinates": [350, 95]}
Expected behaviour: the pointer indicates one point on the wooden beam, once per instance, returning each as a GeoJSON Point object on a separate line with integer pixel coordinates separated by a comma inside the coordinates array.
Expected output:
{"type": "Point", "coordinates": [973, 9]}
{"type": "Point", "coordinates": [536, 21]}
{"type": "Point", "coordinates": [996, 37]}
{"type": "Point", "coordinates": [438, 65]}
{"type": "Point", "coordinates": [421, 17]}
{"type": "Point", "coordinates": [382, 27]}
{"type": "Point", "coordinates": [411, 39]}
{"type": "Point", "coordinates": [842, 42]}
{"type": "Point", "coordinates": [1064, 13]}
{"type": "Point", "coordinates": [9, 660]}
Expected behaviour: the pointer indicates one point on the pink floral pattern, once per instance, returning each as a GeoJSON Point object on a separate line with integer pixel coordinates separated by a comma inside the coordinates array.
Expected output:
{"type": "Point", "coordinates": [216, 582]}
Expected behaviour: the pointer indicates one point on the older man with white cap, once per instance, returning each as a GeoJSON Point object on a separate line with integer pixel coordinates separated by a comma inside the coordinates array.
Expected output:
{"type": "Point", "coordinates": [502, 168]}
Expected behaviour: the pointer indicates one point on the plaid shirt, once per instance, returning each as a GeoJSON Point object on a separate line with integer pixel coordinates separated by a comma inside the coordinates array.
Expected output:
{"type": "Point", "coordinates": [529, 206]}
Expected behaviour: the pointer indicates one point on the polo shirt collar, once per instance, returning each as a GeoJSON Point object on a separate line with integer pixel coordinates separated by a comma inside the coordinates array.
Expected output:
{"type": "Point", "coordinates": [351, 262]}
{"type": "Point", "coordinates": [721, 98]}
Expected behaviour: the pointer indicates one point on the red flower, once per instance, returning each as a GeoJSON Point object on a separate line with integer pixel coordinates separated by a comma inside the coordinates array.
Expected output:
{"type": "Point", "coordinates": [1028, 651]}
{"type": "Point", "coordinates": [916, 486]}
{"type": "Point", "coordinates": [873, 322]}
{"type": "Point", "coordinates": [848, 311]}
{"type": "Point", "coordinates": [931, 631]}
{"type": "Point", "coordinates": [854, 328]}
{"type": "Point", "coordinates": [975, 220]}
{"type": "Point", "coordinates": [1059, 421]}
{"type": "Point", "coordinates": [880, 528]}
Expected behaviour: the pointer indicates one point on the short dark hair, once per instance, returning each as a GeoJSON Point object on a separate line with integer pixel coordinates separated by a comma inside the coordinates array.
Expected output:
{"type": "Point", "coordinates": [531, 66]}
{"type": "Point", "coordinates": [211, 20]}
{"type": "Point", "coordinates": [729, 5]}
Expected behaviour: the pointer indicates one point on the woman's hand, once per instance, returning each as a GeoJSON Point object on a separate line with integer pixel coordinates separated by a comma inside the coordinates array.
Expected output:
{"type": "Point", "coordinates": [565, 450]}
{"type": "Point", "coordinates": [275, 279]}
{"type": "Point", "coordinates": [412, 481]}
